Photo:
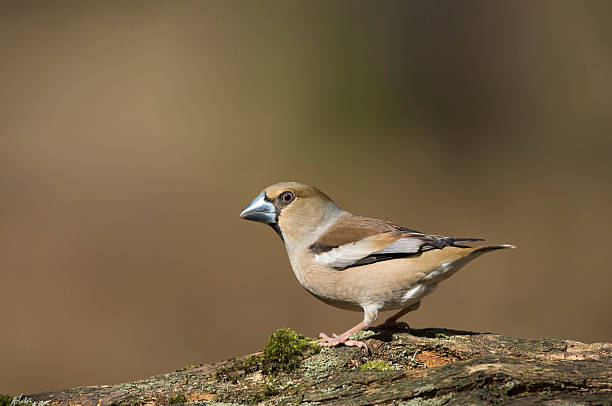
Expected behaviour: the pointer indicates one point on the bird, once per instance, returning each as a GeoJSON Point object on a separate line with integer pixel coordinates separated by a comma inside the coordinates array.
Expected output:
{"type": "Point", "coordinates": [358, 263]}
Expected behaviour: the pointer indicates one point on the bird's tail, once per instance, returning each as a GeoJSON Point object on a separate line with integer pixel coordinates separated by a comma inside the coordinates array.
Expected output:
{"type": "Point", "coordinates": [488, 248]}
{"type": "Point", "coordinates": [454, 258]}
{"type": "Point", "coordinates": [475, 252]}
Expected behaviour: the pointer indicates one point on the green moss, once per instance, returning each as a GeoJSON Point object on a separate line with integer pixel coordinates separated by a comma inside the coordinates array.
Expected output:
{"type": "Point", "coordinates": [284, 352]}
{"type": "Point", "coordinates": [375, 366]}
{"type": "Point", "coordinates": [178, 398]}
{"type": "Point", "coordinates": [251, 363]}
{"type": "Point", "coordinates": [5, 400]}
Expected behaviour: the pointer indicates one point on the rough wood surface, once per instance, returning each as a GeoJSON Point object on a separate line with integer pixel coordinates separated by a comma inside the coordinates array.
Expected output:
{"type": "Point", "coordinates": [431, 367]}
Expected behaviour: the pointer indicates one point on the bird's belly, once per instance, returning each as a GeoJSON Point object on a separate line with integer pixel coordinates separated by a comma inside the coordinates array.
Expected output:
{"type": "Point", "coordinates": [392, 285]}
{"type": "Point", "coordinates": [354, 298]}
{"type": "Point", "coordinates": [341, 304]}
{"type": "Point", "coordinates": [391, 301]}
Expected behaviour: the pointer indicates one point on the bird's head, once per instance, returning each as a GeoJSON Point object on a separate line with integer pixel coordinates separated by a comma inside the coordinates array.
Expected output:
{"type": "Point", "coordinates": [292, 209]}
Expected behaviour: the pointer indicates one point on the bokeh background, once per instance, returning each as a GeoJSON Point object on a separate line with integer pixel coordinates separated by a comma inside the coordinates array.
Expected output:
{"type": "Point", "coordinates": [133, 133]}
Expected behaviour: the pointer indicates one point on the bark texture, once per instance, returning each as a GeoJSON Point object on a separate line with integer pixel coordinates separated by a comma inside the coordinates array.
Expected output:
{"type": "Point", "coordinates": [404, 367]}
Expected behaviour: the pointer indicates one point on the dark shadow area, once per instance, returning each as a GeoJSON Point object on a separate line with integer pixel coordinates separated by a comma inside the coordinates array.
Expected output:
{"type": "Point", "coordinates": [386, 333]}
{"type": "Point", "coordinates": [434, 332]}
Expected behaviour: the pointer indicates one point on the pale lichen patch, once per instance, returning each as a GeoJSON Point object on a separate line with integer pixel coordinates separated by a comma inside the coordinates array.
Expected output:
{"type": "Point", "coordinates": [485, 368]}
{"type": "Point", "coordinates": [442, 400]}
{"type": "Point", "coordinates": [363, 335]}
{"type": "Point", "coordinates": [320, 366]}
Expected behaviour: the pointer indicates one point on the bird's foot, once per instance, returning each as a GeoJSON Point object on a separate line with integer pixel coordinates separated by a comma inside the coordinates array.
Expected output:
{"type": "Point", "coordinates": [334, 340]}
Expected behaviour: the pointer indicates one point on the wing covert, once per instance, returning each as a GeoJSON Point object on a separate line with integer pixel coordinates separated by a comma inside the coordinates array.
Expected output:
{"type": "Point", "coordinates": [355, 241]}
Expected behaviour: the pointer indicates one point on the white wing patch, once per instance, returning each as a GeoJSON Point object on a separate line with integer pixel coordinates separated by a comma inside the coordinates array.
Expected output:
{"type": "Point", "coordinates": [347, 254]}
{"type": "Point", "coordinates": [403, 245]}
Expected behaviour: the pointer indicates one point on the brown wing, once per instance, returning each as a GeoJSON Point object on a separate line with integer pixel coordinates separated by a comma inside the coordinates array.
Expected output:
{"type": "Point", "coordinates": [354, 241]}
{"type": "Point", "coordinates": [349, 229]}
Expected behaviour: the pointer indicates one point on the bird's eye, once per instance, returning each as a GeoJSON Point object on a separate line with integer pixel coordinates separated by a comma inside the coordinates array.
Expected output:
{"type": "Point", "coordinates": [287, 197]}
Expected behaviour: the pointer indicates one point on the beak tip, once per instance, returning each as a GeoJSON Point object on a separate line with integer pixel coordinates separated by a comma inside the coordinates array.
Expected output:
{"type": "Point", "coordinates": [259, 210]}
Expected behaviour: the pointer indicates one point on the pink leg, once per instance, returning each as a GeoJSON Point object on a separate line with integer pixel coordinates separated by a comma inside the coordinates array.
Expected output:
{"type": "Point", "coordinates": [343, 338]}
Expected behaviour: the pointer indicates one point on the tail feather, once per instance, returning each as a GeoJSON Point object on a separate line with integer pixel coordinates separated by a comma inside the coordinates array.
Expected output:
{"type": "Point", "coordinates": [475, 252]}
{"type": "Point", "coordinates": [488, 248]}
{"type": "Point", "coordinates": [478, 251]}
{"type": "Point", "coordinates": [441, 264]}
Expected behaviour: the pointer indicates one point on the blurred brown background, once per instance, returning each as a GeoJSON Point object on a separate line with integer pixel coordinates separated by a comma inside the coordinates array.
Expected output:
{"type": "Point", "coordinates": [133, 133]}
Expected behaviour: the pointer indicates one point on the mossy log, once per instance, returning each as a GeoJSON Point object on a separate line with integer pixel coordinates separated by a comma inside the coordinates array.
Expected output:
{"type": "Point", "coordinates": [403, 367]}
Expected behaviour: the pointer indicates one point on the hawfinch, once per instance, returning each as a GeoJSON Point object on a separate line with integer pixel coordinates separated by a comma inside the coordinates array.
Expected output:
{"type": "Point", "coordinates": [357, 263]}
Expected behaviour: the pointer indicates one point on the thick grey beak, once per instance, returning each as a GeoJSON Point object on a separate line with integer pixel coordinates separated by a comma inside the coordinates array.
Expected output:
{"type": "Point", "coordinates": [260, 210]}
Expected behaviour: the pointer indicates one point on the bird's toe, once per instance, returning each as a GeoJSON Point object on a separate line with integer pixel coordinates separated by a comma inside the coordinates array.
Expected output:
{"type": "Point", "coordinates": [357, 343]}
{"type": "Point", "coordinates": [336, 340]}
